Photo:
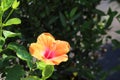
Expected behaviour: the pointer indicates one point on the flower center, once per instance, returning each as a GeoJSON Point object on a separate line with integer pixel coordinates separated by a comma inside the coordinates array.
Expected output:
{"type": "Point", "coordinates": [49, 54]}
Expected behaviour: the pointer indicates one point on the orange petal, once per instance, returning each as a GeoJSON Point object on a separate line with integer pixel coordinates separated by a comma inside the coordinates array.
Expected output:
{"type": "Point", "coordinates": [46, 39]}
{"type": "Point", "coordinates": [56, 60]}
{"type": "Point", "coordinates": [37, 50]}
{"type": "Point", "coordinates": [62, 47]}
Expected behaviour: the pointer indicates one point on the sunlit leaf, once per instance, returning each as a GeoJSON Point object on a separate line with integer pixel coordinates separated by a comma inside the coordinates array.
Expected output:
{"type": "Point", "coordinates": [12, 21]}
{"type": "Point", "coordinates": [10, 34]}
{"type": "Point", "coordinates": [1, 12]}
{"type": "Point", "coordinates": [15, 4]}
{"type": "Point", "coordinates": [40, 65]}
{"type": "Point", "coordinates": [47, 72]}
{"type": "Point", "coordinates": [5, 4]}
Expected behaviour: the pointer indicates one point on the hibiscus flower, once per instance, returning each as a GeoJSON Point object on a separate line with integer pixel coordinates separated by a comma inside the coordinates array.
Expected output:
{"type": "Point", "coordinates": [49, 50]}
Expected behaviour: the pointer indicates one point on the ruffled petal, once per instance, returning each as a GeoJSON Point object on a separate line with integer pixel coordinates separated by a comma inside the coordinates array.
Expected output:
{"type": "Point", "coordinates": [46, 39]}
{"type": "Point", "coordinates": [37, 50]}
{"type": "Point", "coordinates": [56, 60]}
{"type": "Point", "coordinates": [62, 47]}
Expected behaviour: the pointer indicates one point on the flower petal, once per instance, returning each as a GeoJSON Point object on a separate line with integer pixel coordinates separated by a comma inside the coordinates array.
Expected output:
{"type": "Point", "coordinates": [46, 39]}
{"type": "Point", "coordinates": [62, 47]}
{"type": "Point", "coordinates": [37, 50]}
{"type": "Point", "coordinates": [56, 60]}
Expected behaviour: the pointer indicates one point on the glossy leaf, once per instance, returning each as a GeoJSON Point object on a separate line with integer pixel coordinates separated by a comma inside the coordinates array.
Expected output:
{"type": "Point", "coordinates": [21, 52]}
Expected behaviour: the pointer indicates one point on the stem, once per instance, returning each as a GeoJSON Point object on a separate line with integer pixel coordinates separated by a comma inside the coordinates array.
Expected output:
{"type": "Point", "coordinates": [8, 15]}
{"type": "Point", "coordinates": [1, 25]}
{"type": "Point", "coordinates": [0, 30]}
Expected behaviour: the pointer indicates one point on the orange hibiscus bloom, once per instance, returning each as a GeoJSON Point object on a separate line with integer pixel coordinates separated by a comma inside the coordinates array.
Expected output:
{"type": "Point", "coordinates": [49, 50]}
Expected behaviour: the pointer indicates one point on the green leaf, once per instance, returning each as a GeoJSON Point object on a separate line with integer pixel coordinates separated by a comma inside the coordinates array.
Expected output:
{"type": "Point", "coordinates": [116, 43]}
{"type": "Point", "coordinates": [5, 4]}
{"type": "Point", "coordinates": [52, 20]}
{"type": "Point", "coordinates": [21, 52]}
{"type": "Point", "coordinates": [31, 78]}
{"type": "Point", "coordinates": [15, 4]}
{"type": "Point", "coordinates": [6, 61]}
{"type": "Point", "coordinates": [30, 64]}
{"type": "Point", "coordinates": [12, 21]}
{"type": "Point", "coordinates": [14, 73]}
{"type": "Point", "coordinates": [99, 12]}
{"type": "Point", "coordinates": [41, 65]}
{"type": "Point", "coordinates": [10, 34]}
{"type": "Point", "coordinates": [4, 56]}
{"type": "Point", "coordinates": [62, 19]}
{"type": "Point", "coordinates": [1, 12]}
{"type": "Point", "coordinates": [118, 31]}
{"type": "Point", "coordinates": [47, 72]}
{"type": "Point", "coordinates": [2, 41]}
{"type": "Point", "coordinates": [118, 17]}
{"type": "Point", "coordinates": [112, 14]}
{"type": "Point", "coordinates": [74, 18]}
{"type": "Point", "coordinates": [73, 11]}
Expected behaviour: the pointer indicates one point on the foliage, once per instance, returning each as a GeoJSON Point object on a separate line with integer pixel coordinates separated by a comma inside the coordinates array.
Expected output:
{"type": "Point", "coordinates": [10, 64]}
{"type": "Point", "coordinates": [76, 21]}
